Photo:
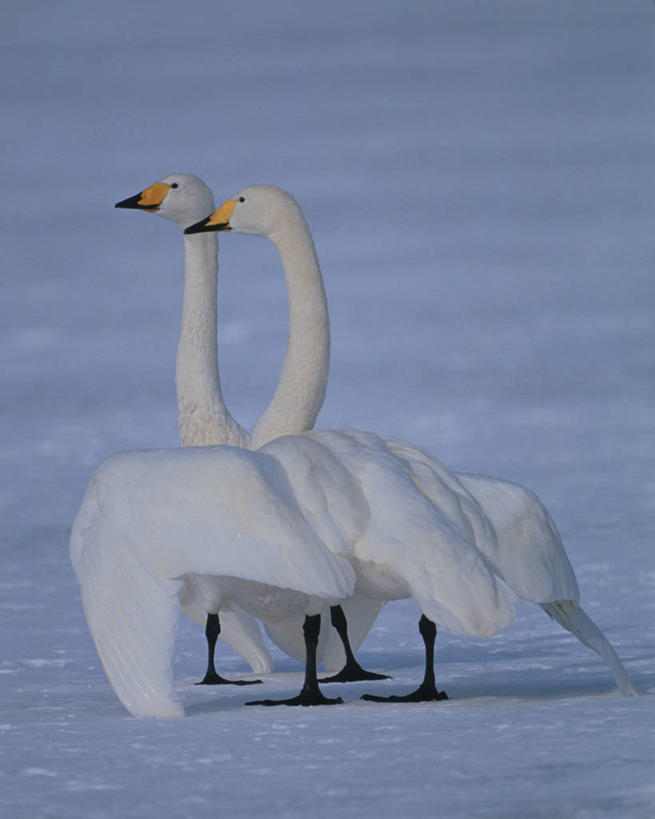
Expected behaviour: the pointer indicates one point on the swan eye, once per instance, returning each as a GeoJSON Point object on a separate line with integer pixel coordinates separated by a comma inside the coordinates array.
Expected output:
{"type": "Point", "coordinates": [242, 199]}
{"type": "Point", "coordinates": [174, 185]}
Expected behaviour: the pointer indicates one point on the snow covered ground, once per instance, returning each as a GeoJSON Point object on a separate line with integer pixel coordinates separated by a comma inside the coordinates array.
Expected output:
{"type": "Point", "coordinates": [478, 177]}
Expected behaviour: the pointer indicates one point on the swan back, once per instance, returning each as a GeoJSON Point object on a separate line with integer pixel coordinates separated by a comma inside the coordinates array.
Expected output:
{"type": "Point", "coordinates": [403, 543]}
{"type": "Point", "coordinates": [329, 495]}
{"type": "Point", "coordinates": [430, 542]}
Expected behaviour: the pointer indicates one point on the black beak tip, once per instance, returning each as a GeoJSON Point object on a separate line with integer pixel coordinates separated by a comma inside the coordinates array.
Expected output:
{"type": "Point", "coordinates": [198, 227]}
{"type": "Point", "coordinates": [203, 227]}
{"type": "Point", "coordinates": [195, 228]}
{"type": "Point", "coordinates": [130, 202]}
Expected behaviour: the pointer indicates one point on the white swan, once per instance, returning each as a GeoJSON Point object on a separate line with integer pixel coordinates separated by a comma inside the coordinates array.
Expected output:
{"type": "Point", "coordinates": [203, 415]}
{"type": "Point", "coordinates": [526, 550]}
{"type": "Point", "coordinates": [296, 524]}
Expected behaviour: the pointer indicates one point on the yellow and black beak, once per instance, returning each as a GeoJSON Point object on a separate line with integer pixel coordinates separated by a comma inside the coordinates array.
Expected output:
{"type": "Point", "coordinates": [149, 199]}
{"type": "Point", "coordinates": [218, 220]}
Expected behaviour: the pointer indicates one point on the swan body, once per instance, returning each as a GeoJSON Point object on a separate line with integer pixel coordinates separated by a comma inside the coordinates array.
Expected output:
{"type": "Point", "coordinates": [513, 531]}
{"type": "Point", "coordinates": [203, 416]}
{"type": "Point", "coordinates": [296, 525]}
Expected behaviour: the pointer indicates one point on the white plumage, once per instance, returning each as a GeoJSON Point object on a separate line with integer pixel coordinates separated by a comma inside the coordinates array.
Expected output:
{"type": "Point", "coordinates": [521, 543]}
{"type": "Point", "coordinates": [307, 519]}
{"type": "Point", "coordinates": [204, 418]}
{"type": "Point", "coordinates": [283, 530]}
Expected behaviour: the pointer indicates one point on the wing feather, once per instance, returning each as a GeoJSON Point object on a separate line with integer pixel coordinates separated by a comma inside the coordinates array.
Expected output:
{"type": "Point", "coordinates": [425, 546]}
{"type": "Point", "coordinates": [530, 555]}
{"type": "Point", "coordinates": [131, 614]}
{"type": "Point", "coordinates": [148, 519]}
{"type": "Point", "coordinates": [219, 511]}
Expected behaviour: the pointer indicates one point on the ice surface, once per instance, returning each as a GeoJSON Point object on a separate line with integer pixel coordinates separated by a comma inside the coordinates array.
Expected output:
{"type": "Point", "coordinates": [478, 177]}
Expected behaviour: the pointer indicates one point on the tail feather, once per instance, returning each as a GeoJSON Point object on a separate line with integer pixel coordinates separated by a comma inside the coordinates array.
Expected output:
{"type": "Point", "coordinates": [574, 619]}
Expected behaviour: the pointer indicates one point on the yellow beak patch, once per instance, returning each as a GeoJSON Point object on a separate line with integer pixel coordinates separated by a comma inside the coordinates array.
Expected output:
{"type": "Point", "coordinates": [153, 196]}
{"type": "Point", "coordinates": [222, 215]}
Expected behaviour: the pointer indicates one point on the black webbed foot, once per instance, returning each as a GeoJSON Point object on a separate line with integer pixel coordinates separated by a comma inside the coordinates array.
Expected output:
{"type": "Point", "coordinates": [216, 679]}
{"type": "Point", "coordinates": [352, 672]}
{"type": "Point", "coordinates": [304, 698]}
{"type": "Point", "coordinates": [424, 693]}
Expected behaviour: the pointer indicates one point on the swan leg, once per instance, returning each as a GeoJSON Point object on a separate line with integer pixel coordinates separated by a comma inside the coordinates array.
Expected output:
{"type": "Point", "coordinates": [212, 630]}
{"type": "Point", "coordinates": [352, 670]}
{"type": "Point", "coordinates": [311, 693]}
{"type": "Point", "coordinates": [427, 690]}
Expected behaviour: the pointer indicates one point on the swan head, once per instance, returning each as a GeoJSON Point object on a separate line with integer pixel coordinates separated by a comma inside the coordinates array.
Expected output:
{"type": "Point", "coordinates": [259, 210]}
{"type": "Point", "coordinates": [180, 197]}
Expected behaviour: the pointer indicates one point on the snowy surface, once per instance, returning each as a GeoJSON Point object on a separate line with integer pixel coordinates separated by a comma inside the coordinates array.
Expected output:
{"type": "Point", "coordinates": [478, 177]}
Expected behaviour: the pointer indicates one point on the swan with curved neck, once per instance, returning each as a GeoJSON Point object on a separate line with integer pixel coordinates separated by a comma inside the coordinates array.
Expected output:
{"type": "Point", "coordinates": [525, 551]}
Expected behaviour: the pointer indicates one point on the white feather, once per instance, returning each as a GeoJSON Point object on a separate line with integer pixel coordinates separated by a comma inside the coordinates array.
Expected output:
{"type": "Point", "coordinates": [305, 517]}
{"type": "Point", "coordinates": [204, 418]}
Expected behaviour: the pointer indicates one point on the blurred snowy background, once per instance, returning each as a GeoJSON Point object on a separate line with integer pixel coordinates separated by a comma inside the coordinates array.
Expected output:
{"type": "Point", "coordinates": [479, 180]}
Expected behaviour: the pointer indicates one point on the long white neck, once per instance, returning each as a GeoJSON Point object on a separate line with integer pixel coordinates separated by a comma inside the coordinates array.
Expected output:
{"type": "Point", "coordinates": [203, 417]}
{"type": "Point", "coordinates": [301, 388]}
